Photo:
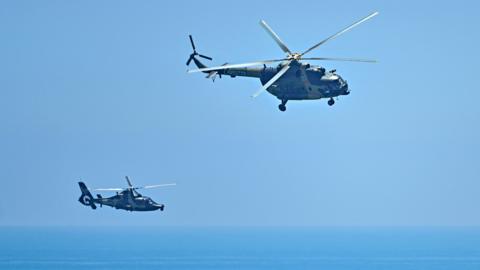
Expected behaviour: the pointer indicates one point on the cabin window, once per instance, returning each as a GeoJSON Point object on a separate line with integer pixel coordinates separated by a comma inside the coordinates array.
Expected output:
{"type": "Point", "coordinates": [314, 77]}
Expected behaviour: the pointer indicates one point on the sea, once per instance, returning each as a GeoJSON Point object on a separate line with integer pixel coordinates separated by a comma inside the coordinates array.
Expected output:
{"type": "Point", "coordinates": [335, 248]}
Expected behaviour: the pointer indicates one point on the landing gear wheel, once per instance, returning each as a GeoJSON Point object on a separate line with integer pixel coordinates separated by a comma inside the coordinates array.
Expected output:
{"type": "Point", "coordinates": [282, 106]}
{"type": "Point", "coordinates": [331, 102]}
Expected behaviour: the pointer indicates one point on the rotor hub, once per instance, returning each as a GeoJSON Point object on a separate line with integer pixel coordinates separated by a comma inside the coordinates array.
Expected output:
{"type": "Point", "coordinates": [294, 56]}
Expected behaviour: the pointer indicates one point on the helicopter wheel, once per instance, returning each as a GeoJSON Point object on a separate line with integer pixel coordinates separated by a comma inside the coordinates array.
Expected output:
{"type": "Point", "coordinates": [331, 102]}
{"type": "Point", "coordinates": [282, 106]}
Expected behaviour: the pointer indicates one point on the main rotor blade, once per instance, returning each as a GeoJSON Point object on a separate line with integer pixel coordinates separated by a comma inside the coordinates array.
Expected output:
{"type": "Point", "coordinates": [272, 80]}
{"type": "Point", "coordinates": [258, 63]}
{"type": "Point", "coordinates": [342, 31]}
{"type": "Point", "coordinates": [340, 59]}
{"type": "Point", "coordinates": [275, 37]}
{"type": "Point", "coordinates": [144, 187]}
{"type": "Point", "coordinates": [109, 189]}
{"type": "Point", "coordinates": [156, 186]}
{"type": "Point", "coordinates": [128, 181]}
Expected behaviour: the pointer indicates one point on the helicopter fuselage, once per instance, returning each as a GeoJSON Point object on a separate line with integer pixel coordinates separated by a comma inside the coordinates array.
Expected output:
{"type": "Point", "coordinates": [301, 82]}
{"type": "Point", "coordinates": [128, 200]}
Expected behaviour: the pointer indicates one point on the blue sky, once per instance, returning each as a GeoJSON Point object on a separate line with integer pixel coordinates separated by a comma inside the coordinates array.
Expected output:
{"type": "Point", "coordinates": [97, 90]}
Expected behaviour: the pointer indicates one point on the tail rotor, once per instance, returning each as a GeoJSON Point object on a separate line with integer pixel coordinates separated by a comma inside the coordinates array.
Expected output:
{"type": "Point", "coordinates": [86, 198]}
{"type": "Point", "coordinates": [192, 56]}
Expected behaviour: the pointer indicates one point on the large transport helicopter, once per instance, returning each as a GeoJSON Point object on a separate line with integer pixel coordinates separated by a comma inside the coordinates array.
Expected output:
{"type": "Point", "coordinates": [291, 79]}
{"type": "Point", "coordinates": [126, 198]}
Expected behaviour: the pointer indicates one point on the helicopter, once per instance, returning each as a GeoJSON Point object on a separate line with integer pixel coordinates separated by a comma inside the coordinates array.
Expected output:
{"type": "Point", "coordinates": [291, 79]}
{"type": "Point", "coordinates": [126, 198]}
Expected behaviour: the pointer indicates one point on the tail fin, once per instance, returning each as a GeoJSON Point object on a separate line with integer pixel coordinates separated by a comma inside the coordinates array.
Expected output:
{"type": "Point", "coordinates": [86, 198]}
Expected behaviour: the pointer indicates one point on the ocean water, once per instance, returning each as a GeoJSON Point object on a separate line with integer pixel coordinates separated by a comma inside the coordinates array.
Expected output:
{"type": "Point", "coordinates": [239, 248]}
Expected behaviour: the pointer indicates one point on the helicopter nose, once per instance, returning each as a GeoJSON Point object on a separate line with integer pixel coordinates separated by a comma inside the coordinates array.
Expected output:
{"type": "Point", "coordinates": [345, 89]}
{"type": "Point", "coordinates": [159, 206]}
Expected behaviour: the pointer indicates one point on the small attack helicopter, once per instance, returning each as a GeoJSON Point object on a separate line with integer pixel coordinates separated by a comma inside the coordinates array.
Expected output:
{"type": "Point", "coordinates": [126, 198]}
{"type": "Point", "coordinates": [291, 79]}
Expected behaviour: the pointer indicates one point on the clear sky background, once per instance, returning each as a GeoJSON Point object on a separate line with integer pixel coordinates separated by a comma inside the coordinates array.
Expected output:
{"type": "Point", "coordinates": [96, 90]}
